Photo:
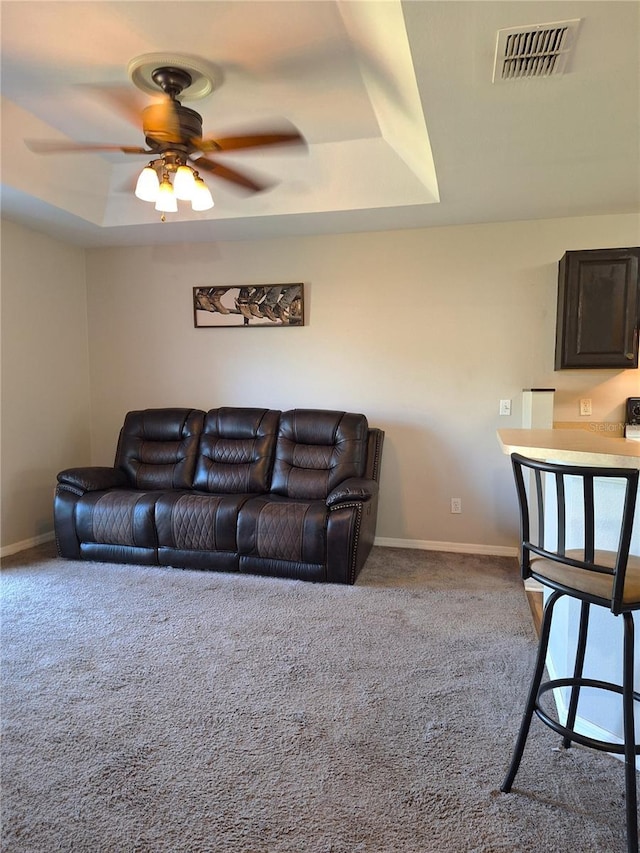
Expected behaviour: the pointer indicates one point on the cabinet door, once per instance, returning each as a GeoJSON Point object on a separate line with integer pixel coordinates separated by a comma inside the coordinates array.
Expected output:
{"type": "Point", "coordinates": [598, 306]}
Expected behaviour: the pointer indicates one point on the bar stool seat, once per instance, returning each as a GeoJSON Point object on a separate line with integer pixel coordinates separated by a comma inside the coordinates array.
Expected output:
{"type": "Point", "coordinates": [590, 574]}
{"type": "Point", "coordinates": [592, 583]}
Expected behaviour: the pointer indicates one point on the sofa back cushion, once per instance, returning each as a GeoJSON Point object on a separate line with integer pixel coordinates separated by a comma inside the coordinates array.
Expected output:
{"type": "Point", "coordinates": [237, 450]}
{"type": "Point", "coordinates": [158, 448]}
{"type": "Point", "coordinates": [316, 450]}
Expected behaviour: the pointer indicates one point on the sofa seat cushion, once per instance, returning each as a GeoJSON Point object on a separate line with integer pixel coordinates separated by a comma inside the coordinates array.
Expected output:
{"type": "Point", "coordinates": [276, 528]}
{"type": "Point", "coordinates": [117, 517]}
{"type": "Point", "coordinates": [192, 521]}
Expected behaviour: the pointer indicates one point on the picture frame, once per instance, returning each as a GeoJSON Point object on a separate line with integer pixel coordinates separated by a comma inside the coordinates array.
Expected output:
{"type": "Point", "coordinates": [262, 305]}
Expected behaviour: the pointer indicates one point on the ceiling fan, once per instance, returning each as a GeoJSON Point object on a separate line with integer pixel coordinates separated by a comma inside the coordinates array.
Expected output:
{"type": "Point", "coordinates": [173, 135]}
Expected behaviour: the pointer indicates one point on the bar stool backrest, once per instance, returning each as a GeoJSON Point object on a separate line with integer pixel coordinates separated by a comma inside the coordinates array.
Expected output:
{"type": "Point", "coordinates": [558, 501]}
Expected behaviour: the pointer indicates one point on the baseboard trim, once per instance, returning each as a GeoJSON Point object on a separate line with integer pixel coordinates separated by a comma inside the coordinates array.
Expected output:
{"type": "Point", "coordinates": [16, 547]}
{"type": "Point", "coordinates": [382, 541]}
{"type": "Point", "coordinates": [453, 547]}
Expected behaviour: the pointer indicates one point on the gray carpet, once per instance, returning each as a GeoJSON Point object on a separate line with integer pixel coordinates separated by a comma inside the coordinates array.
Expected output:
{"type": "Point", "coordinates": [174, 711]}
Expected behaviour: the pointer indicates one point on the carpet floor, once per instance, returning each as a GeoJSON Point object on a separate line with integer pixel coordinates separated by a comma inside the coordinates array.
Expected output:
{"type": "Point", "coordinates": [154, 710]}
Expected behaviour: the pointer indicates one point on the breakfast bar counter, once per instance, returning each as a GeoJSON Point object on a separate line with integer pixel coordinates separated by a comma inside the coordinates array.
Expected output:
{"type": "Point", "coordinates": [572, 446]}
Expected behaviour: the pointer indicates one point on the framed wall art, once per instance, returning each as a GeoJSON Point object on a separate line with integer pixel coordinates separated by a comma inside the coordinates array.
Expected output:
{"type": "Point", "coordinates": [255, 305]}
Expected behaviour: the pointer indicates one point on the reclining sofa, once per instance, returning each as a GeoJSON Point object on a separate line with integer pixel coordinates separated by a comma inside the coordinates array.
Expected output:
{"type": "Point", "coordinates": [289, 494]}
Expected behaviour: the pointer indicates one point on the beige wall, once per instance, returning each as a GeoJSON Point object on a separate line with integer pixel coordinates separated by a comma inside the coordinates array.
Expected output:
{"type": "Point", "coordinates": [45, 378]}
{"type": "Point", "coordinates": [423, 330]}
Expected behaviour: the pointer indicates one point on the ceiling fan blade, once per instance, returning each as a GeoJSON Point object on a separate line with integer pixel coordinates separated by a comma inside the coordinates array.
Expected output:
{"type": "Point", "coordinates": [256, 140]}
{"type": "Point", "coordinates": [53, 146]}
{"type": "Point", "coordinates": [128, 103]}
{"type": "Point", "coordinates": [231, 175]}
{"type": "Point", "coordinates": [159, 119]}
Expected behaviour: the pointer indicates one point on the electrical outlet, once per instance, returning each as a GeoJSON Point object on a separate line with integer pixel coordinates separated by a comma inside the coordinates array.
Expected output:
{"type": "Point", "coordinates": [585, 406]}
{"type": "Point", "coordinates": [456, 505]}
{"type": "Point", "coordinates": [505, 407]}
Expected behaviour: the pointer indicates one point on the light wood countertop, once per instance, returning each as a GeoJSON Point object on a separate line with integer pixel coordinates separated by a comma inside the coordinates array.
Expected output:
{"type": "Point", "coordinates": [573, 446]}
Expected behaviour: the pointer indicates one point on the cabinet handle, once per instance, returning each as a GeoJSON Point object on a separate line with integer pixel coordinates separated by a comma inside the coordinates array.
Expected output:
{"type": "Point", "coordinates": [629, 355]}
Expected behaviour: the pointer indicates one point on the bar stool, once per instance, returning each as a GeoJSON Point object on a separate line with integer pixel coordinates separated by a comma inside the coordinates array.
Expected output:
{"type": "Point", "coordinates": [607, 578]}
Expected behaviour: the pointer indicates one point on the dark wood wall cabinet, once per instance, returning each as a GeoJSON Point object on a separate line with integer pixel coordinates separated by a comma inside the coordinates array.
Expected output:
{"type": "Point", "coordinates": [598, 309]}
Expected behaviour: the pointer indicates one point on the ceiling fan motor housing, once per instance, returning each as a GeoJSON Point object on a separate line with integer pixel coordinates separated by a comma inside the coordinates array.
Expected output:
{"type": "Point", "coordinates": [184, 124]}
{"type": "Point", "coordinates": [157, 131]}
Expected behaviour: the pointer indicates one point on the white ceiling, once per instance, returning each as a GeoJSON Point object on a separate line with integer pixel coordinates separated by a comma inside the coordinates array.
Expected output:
{"type": "Point", "coordinates": [395, 99]}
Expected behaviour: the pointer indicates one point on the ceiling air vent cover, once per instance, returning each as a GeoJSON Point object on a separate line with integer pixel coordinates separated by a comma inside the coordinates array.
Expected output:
{"type": "Point", "coordinates": [540, 50]}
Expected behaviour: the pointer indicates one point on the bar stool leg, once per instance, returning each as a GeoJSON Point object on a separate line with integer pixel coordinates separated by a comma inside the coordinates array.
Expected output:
{"type": "Point", "coordinates": [533, 693]}
{"type": "Point", "coordinates": [578, 668]}
{"type": "Point", "coordinates": [629, 736]}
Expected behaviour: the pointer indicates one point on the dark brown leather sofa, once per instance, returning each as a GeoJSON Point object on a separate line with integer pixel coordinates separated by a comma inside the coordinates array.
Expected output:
{"type": "Point", "coordinates": [289, 494]}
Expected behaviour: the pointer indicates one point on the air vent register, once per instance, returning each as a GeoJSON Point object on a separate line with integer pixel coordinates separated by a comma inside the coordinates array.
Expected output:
{"type": "Point", "coordinates": [540, 50]}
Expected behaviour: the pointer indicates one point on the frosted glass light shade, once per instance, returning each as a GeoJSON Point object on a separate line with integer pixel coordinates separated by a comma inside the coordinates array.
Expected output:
{"type": "Point", "coordinates": [166, 202]}
{"type": "Point", "coordinates": [201, 199]}
{"type": "Point", "coordinates": [148, 185]}
{"type": "Point", "coordinates": [183, 183]}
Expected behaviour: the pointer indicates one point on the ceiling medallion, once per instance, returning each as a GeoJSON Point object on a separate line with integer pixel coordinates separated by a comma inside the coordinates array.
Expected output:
{"type": "Point", "coordinates": [205, 76]}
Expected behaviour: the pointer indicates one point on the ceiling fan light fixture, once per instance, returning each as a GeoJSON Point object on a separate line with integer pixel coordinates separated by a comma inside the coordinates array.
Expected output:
{"type": "Point", "coordinates": [148, 184]}
{"type": "Point", "coordinates": [202, 198]}
{"type": "Point", "coordinates": [166, 201]}
{"type": "Point", "coordinates": [173, 135]}
{"type": "Point", "coordinates": [184, 183]}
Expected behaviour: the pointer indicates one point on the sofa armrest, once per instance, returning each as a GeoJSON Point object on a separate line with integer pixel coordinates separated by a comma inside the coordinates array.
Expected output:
{"type": "Point", "coordinates": [92, 479]}
{"type": "Point", "coordinates": [354, 489]}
